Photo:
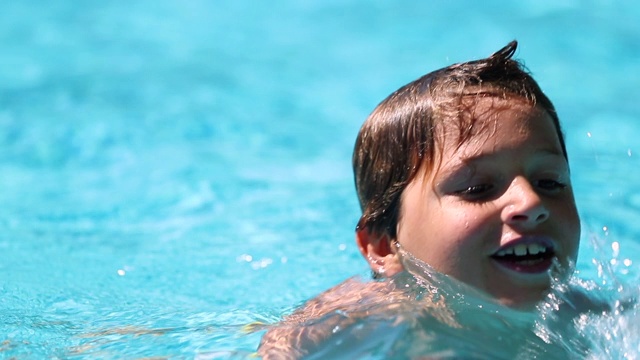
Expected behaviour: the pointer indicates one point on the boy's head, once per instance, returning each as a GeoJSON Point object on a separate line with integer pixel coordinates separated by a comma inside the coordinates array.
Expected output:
{"type": "Point", "coordinates": [489, 109]}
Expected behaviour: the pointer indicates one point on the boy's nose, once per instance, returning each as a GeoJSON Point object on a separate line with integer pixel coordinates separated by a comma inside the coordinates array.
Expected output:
{"type": "Point", "coordinates": [524, 207]}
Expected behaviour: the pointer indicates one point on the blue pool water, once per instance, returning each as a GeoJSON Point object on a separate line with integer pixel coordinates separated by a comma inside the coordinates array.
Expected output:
{"type": "Point", "coordinates": [171, 171]}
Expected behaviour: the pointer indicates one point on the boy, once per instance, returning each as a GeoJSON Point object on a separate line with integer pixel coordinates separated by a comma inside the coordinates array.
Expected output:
{"type": "Point", "coordinates": [466, 170]}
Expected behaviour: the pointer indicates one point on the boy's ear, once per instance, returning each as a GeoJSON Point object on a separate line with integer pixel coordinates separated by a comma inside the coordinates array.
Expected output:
{"type": "Point", "coordinates": [379, 253]}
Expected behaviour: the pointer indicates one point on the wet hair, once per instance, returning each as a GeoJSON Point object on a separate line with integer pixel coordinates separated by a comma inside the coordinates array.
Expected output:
{"type": "Point", "coordinates": [401, 134]}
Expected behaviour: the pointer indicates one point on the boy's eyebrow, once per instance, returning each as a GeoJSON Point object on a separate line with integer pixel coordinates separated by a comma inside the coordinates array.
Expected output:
{"type": "Point", "coordinates": [469, 165]}
{"type": "Point", "coordinates": [481, 156]}
{"type": "Point", "coordinates": [469, 161]}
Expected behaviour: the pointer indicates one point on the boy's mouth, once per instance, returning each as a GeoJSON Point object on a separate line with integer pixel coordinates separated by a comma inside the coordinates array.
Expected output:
{"type": "Point", "coordinates": [526, 257]}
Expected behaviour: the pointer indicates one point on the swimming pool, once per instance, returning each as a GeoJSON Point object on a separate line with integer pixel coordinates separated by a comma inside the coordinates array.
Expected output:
{"type": "Point", "coordinates": [173, 171]}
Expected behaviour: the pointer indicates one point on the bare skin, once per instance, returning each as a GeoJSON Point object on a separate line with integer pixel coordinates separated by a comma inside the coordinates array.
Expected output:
{"type": "Point", "coordinates": [312, 324]}
{"type": "Point", "coordinates": [291, 339]}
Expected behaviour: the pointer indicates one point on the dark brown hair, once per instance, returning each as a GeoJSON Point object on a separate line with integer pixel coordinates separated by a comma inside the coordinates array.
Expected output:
{"type": "Point", "coordinates": [399, 137]}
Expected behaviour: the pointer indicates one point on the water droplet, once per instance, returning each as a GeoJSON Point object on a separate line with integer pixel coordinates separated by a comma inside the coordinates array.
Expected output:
{"type": "Point", "coordinates": [261, 264]}
{"type": "Point", "coordinates": [245, 257]}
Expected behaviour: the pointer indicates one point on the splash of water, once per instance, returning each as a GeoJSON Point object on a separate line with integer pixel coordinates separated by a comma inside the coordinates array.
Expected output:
{"type": "Point", "coordinates": [609, 328]}
{"type": "Point", "coordinates": [438, 317]}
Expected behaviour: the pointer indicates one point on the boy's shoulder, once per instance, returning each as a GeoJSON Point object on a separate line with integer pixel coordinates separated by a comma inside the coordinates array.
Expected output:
{"type": "Point", "coordinates": [346, 296]}
{"type": "Point", "coordinates": [312, 323]}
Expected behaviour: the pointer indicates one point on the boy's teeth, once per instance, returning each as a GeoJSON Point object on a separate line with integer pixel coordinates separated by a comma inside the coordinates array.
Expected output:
{"type": "Point", "coordinates": [523, 249]}
{"type": "Point", "coordinates": [535, 249]}
{"type": "Point", "coordinates": [508, 251]}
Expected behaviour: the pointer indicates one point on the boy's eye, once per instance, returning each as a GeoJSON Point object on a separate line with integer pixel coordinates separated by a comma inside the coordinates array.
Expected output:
{"type": "Point", "coordinates": [476, 191]}
{"type": "Point", "coordinates": [549, 184]}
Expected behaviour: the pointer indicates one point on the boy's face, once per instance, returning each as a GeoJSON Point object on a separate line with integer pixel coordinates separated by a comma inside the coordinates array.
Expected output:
{"type": "Point", "coordinates": [497, 209]}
